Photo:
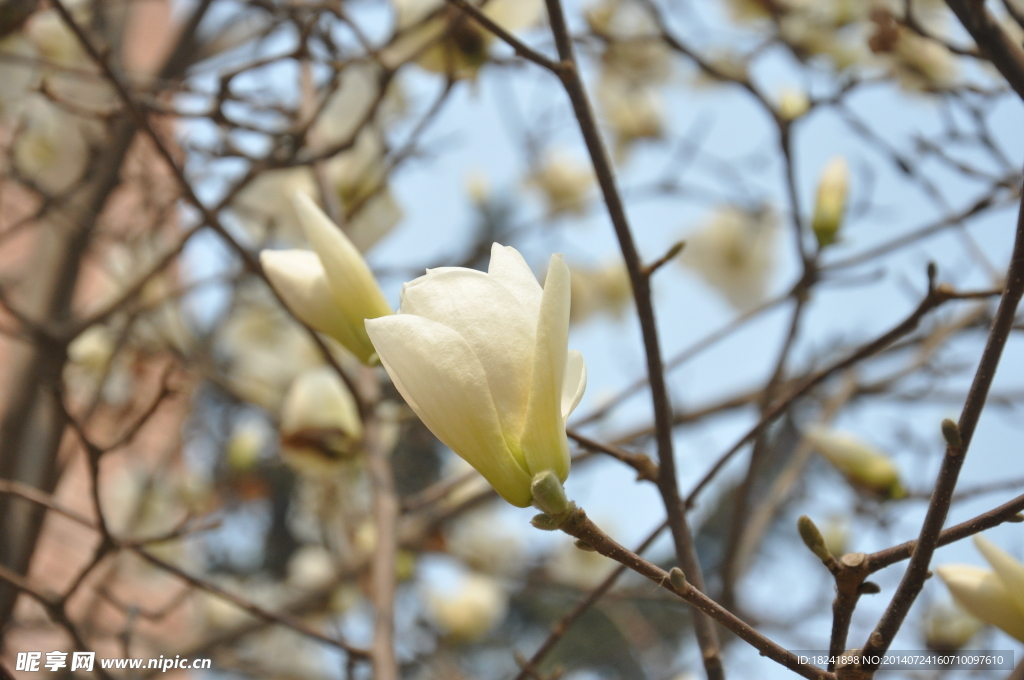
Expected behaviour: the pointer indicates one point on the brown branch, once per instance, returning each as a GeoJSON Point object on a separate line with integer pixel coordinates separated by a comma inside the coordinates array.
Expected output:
{"type": "Point", "coordinates": [1007, 512]}
{"type": "Point", "coordinates": [993, 42]}
{"type": "Point", "coordinates": [209, 216]}
{"type": "Point", "coordinates": [521, 48]}
{"type": "Point", "coordinates": [956, 451]}
{"type": "Point", "coordinates": [579, 526]}
{"type": "Point", "coordinates": [645, 467]}
{"type": "Point", "coordinates": [668, 485]}
{"type": "Point", "coordinates": [45, 500]}
{"type": "Point", "coordinates": [559, 630]}
{"type": "Point", "coordinates": [385, 514]}
{"type": "Point", "coordinates": [935, 297]}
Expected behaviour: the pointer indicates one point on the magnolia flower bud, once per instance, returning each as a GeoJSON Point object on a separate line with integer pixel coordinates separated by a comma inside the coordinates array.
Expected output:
{"type": "Point", "coordinates": [793, 103]}
{"type": "Point", "coordinates": [320, 422]}
{"type": "Point", "coordinates": [828, 211]}
{"type": "Point", "coordinates": [812, 538]}
{"type": "Point", "coordinates": [996, 597]}
{"type": "Point", "coordinates": [483, 361]}
{"type": "Point", "coordinates": [444, 40]}
{"type": "Point", "coordinates": [861, 464]}
{"type": "Point", "coordinates": [735, 252]}
{"type": "Point", "coordinates": [565, 184]}
{"type": "Point", "coordinates": [330, 288]}
{"type": "Point", "coordinates": [948, 628]}
{"type": "Point", "coordinates": [479, 605]}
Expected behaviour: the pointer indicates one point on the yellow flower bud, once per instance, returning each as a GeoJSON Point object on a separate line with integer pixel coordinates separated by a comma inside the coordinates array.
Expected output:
{"type": "Point", "coordinates": [863, 466]}
{"type": "Point", "coordinates": [793, 103]}
{"type": "Point", "coordinates": [831, 205]}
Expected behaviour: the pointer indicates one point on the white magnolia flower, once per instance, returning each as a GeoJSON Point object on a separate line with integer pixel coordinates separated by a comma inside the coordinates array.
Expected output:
{"type": "Point", "coordinates": [359, 179]}
{"type": "Point", "coordinates": [479, 604]}
{"type": "Point", "coordinates": [863, 465]}
{"type": "Point", "coordinates": [311, 567]}
{"type": "Point", "coordinates": [606, 288]}
{"type": "Point", "coordinates": [263, 351]}
{"type": "Point", "coordinates": [735, 252]}
{"type": "Point", "coordinates": [487, 544]}
{"type": "Point", "coordinates": [830, 207]}
{"type": "Point", "coordinates": [634, 111]}
{"type": "Point", "coordinates": [442, 39]}
{"type": "Point", "coordinates": [330, 288]}
{"type": "Point", "coordinates": [18, 73]}
{"type": "Point", "coordinates": [51, 149]}
{"type": "Point", "coordinates": [483, 361]}
{"type": "Point", "coordinates": [565, 184]}
{"type": "Point", "coordinates": [583, 569]}
{"type": "Point", "coordinates": [320, 422]}
{"type": "Point", "coordinates": [996, 597]}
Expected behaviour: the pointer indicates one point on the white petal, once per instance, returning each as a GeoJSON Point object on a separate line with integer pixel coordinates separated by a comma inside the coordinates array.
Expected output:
{"type": "Point", "coordinates": [298, 277]}
{"type": "Point", "coordinates": [355, 290]}
{"type": "Point", "coordinates": [574, 384]}
{"type": "Point", "coordinates": [982, 594]}
{"type": "Point", "coordinates": [508, 268]}
{"type": "Point", "coordinates": [543, 440]}
{"type": "Point", "coordinates": [442, 380]}
{"type": "Point", "coordinates": [1009, 570]}
{"type": "Point", "coordinates": [496, 327]}
{"type": "Point", "coordinates": [513, 15]}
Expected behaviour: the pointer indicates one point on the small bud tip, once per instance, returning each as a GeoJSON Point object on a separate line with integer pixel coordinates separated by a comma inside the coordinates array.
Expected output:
{"type": "Point", "coordinates": [951, 433]}
{"type": "Point", "coordinates": [812, 538]}
{"type": "Point", "coordinates": [678, 579]}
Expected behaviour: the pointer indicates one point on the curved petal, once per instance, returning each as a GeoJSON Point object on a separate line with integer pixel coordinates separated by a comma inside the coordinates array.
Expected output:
{"type": "Point", "coordinates": [574, 383]}
{"type": "Point", "coordinates": [355, 290]}
{"type": "Point", "coordinates": [436, 371]}
{"type": "Point", "coordinates": [508, 268]}
{"type": "Point", "coordinates": [494, 324]}
{"type": "Point", "coordinates": [544, 443]}
{"type": "Point", "coordinates": [981, 593]}
{"type": "Point", "coordinates": [298, 277]}
{"type": "Point", "coordinates": [1009, 570]}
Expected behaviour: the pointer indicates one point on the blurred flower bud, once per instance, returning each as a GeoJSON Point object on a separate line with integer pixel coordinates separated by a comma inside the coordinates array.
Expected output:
{"type": "Point", "coordinates": [948, 628]}
{"type": "Point", "coordinates": [831, 203]}
{"type": "Point", "coordinates": [311, 567]}
{"type": "Point", "coordinates": [793, 103]}
{"type": "Point", "coordinates": [577, 568]}
{"type": "Point", "coordinates": [565, 184]}
{"type": "Point", "coordinates": [320, 422]}
{"type": "Point", "coordinates": [602, 289]}
{"type": "Point", "coordinates": [476, 607]}
{"type": "Point", "coordinates": [478, 188]}
{"type": "Point", "coordinates": [245, 446]}
{"type": "Point", "coordinates": [863, 466]}
{"type": "Point", "coordinates": [735, 252]}
{"type": "Point", "coordinates": [444, 40]}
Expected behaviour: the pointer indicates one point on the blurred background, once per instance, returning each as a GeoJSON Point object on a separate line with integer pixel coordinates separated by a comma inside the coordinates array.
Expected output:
{"type": "Point", "coordinates": [181, 470]}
